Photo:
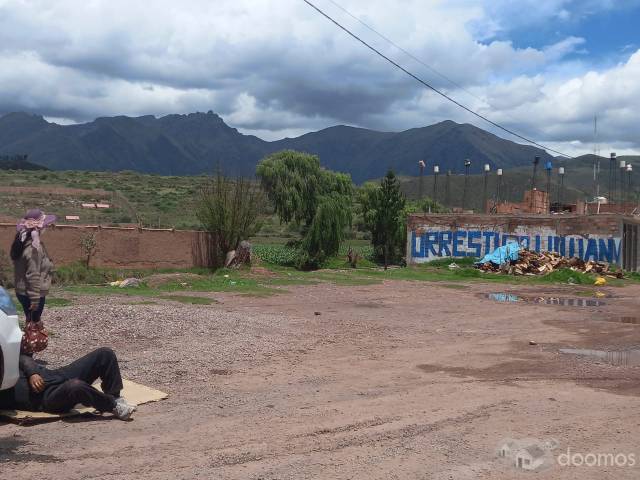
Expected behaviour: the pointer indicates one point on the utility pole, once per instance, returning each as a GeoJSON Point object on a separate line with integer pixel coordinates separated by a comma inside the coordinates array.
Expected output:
{"type": "Point", "coordinates": [610, 193]}
{"type": "Point", "coordinates": [467, 165]}
{"type": "Point", "coordinates": [623, 168]}
{"type": "Point", "coordinates": [499, 186]}
{"type": "Point", "coordinates": [421, 165]}
{"type": "Point", "coordinates": [447, 189]}
{"type": "Point", "coordinates": [596, 159]}
{"type": "Point", "coordinates": [436, 171]}
{"type": "Point", "coordinates": [536, 161]}
{"type": "Point", "coordinates": [629, 190]}
{"type": "Point", "coordinates": [560, 187]}
{"type": "Point", "coordinates": [548, 167]}
{"type": "Point", "coordinates": [487, 169]}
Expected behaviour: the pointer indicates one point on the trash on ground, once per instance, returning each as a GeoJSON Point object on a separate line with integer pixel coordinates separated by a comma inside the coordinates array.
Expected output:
{"type": "Point", "coordinates": [600, 281]}
{"type": "Point", "coordinates": [130, 282]}
{"type": "Point", "coordinates": [514, 260]}
{"type": "Point", "coordinates": [500, 256]}
{"type": "Point", "coordinates": [453, 266]}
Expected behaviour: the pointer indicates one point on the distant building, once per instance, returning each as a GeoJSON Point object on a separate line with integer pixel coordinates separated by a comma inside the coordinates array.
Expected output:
{"type": "Point", "coordinates": [103, 205]}
{"type": "Point", "coordinates": [72, 218]}
{"type": "Point", "coordinates": [88, 205]}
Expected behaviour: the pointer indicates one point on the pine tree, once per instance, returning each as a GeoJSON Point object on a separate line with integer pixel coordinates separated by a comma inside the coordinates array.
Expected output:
{"type": "Point", "coordinates": [383, 212]}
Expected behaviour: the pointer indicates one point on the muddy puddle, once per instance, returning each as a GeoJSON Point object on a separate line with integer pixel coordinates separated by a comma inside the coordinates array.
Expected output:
{"type": "Point", "coordinates": [627, 320]}
{"type": "Point", "coordinates": [612, 357]}
{"type": "Point", "coordinates": [505, 297]}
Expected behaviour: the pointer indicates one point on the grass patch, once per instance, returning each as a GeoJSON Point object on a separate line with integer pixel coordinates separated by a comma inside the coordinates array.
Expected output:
{"type": "Point", "coordinates": [58, 302]}
{"type": "Point", "coordinates": [445, 262]}
{"type": "Point", "coordinates": [454, 286]}
{"type": "Point", "coordinates": [189, 299]}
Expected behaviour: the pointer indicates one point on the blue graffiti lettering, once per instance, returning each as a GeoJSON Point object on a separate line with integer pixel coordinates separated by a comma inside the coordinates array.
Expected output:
{"type": "Point", "coordinates": [475, 247]}
{"type": "Point", "coordinates": [444, 244]}
{"type": "Point", "coordinates": [430, 244]}
{"type": "Point", "coordinates": [487, 240]}
{"type": "Point", "coordinates": [592, 250]}
{"type": "Point", "coordinates": [458, 241]}
{"type": "Point", "coordinates": [467, 243]}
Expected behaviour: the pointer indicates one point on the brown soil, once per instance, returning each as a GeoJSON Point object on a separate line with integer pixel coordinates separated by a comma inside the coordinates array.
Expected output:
{"type": "Point", "coordinates": [402, 380]}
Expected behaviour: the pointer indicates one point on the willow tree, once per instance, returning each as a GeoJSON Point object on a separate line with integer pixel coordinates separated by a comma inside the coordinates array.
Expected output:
{"type": "Point", "coordinates": [383, 211]}
{"type": "Point", "coordinates": [315, 199]}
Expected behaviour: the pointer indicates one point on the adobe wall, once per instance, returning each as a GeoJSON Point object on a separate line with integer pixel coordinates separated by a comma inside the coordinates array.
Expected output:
{"type": "Point", "coordinates": [118, 247]}
{"type": "Point", "coordinates": [599, 237]}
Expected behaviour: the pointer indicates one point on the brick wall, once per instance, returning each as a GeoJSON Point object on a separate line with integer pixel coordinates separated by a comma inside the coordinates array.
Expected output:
{"type": "Point", "coordinates": [587, 236]}
{"type": "Point", "coordinates": [120, 247]}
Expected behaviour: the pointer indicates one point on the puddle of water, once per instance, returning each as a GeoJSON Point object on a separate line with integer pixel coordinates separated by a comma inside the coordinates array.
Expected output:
{"type": "Point", "coordinates": [563, 302]}
{"type": "Point", "coordinates": [569, 302]}
{"type": "Point", "coordinates": [613, 357]}
{"type": "Point", "coordinates": [504, 297]}
{"type": "Point", "coordinates": [630, 320]}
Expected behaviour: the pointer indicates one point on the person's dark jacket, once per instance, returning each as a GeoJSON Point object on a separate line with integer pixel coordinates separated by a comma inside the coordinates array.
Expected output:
{"type": "Point", "coordinates": [21, 397]}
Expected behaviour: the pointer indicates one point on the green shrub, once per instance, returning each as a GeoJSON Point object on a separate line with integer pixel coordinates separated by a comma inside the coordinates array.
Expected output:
{"type": "Point", "coordinates": [281, 255]}
{"type": "Point", "coordinates": [78, 273]}
{"type": "Point", "coordinates": [566, 274]}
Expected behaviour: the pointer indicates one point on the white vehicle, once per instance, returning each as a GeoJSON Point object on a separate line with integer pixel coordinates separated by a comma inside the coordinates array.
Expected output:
{"type": "Point", "coordinates": [10, 338]}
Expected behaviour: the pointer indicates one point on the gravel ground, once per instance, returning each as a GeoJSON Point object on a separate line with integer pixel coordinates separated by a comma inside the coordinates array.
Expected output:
{"type": "Point", "coordinates": [402, 380]}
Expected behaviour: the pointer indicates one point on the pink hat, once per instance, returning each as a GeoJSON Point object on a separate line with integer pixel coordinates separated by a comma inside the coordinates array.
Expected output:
{"type": "Point", "coordinates": [35, 219]}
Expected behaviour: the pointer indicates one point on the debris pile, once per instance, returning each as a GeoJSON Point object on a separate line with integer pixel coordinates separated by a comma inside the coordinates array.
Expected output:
{"type": "Point", "coordinates": [542, 263]}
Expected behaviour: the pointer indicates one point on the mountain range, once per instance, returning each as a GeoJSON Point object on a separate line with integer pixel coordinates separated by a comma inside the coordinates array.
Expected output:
{"type": "Point", "coordinates": [198, 142]}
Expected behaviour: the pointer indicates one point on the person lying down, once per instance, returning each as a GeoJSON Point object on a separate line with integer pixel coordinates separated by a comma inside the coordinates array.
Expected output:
{"type": "Point", "coordinates": [59, 390]}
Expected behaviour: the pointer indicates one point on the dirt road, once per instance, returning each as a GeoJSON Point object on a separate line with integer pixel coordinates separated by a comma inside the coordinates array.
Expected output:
{"type": "Point", "coordinates": [401, 380]}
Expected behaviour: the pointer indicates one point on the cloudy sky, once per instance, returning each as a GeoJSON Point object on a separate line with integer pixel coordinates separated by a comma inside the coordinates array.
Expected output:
{"type": "Point", "coordinates": [276, 68]}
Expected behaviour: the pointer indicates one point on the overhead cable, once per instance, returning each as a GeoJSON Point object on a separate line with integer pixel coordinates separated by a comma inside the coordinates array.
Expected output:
{"type": "Point", "coordinates": [429, 86]}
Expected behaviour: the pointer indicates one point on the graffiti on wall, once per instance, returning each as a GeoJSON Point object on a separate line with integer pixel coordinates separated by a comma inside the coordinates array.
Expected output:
{"type": "Point", "coordinates": [432, 244]}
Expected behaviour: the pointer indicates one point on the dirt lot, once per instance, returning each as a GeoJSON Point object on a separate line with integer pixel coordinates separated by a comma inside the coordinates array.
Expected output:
{"type": "Point", "coordinates": [401, 380]}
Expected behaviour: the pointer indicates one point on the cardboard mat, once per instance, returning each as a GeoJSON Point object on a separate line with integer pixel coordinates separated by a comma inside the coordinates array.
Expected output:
{"type": "Point", "coordinates": [134, 393]}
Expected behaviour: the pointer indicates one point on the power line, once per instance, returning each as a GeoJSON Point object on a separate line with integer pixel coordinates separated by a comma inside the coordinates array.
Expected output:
{"type": "Point", "coordinates": [413, 57]}
{"type": "Point", "coordinates": [442, 94]}
{"type": "Point", "coordinates": [408, 53]}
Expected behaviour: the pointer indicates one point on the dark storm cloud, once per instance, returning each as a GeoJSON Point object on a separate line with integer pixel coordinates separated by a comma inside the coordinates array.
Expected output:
{"type": "Point", "coordinates": [277, 68]}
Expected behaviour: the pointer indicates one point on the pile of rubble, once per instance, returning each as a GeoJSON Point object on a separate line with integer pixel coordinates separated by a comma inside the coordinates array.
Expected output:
{"type": "Point", "coordinates": [534, 263]}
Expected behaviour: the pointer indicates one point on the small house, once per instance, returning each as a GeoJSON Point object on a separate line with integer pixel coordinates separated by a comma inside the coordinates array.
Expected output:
{"type": "Point", "coordinates": [530, 458]}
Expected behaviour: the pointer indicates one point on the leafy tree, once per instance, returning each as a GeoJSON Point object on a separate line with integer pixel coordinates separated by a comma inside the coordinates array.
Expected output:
{"type": "Point", "coordinates": [88, 247]}
{"type": "Point", "coordinates": [425, 205]}
{"type": "Point", "coordinates": [315, 199]}
{"type": "Point", "coordinates": [383, 215]}
{"type": "Point", "coordinates": [229, 210]}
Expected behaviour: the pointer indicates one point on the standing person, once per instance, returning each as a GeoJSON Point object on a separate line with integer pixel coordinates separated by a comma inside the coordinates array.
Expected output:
{"type": "Point", "coordinates": [32, 265]}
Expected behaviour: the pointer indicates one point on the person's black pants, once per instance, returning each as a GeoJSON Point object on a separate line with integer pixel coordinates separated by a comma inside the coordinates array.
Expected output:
{"type": "Point", "coordinates": [101, 363]}
{"type": "Point", "coordinates": [31, 315]}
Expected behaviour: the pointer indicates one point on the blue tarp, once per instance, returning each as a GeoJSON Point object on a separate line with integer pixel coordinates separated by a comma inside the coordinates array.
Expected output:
{"type": "Point", "coordinates": [506, 253]}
